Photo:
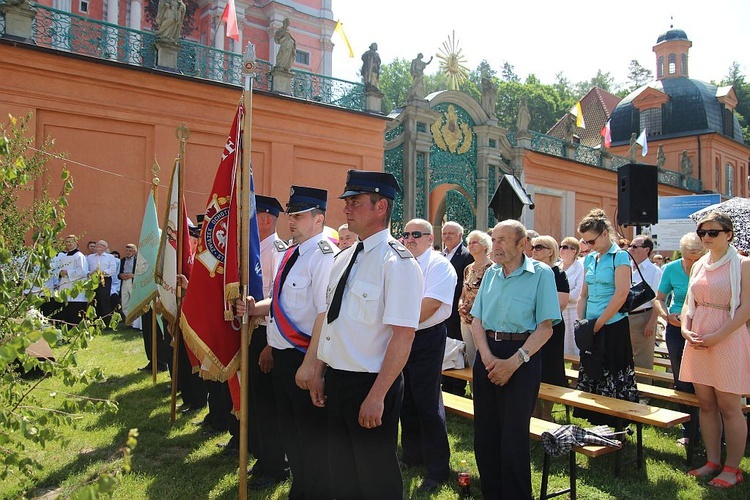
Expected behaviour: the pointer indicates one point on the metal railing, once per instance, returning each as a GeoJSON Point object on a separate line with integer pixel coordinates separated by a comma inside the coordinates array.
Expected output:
{"type": "Point", "coordinates": [60, 30]}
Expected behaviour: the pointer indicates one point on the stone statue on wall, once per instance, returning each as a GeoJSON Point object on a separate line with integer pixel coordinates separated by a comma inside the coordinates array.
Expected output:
{"type": "Point", "coordinates": [489, 96]}
{"type": "Point", "coordinates": [633, 147]}
{"type": "Point", "coordinates": [287, 47]}
{"type": "Point", "coordinates": [686, 165]}
{"type": "Point", "coordinates": [418, 65]}
{"type": "Point", "coordinates": [570, 127]}
{"type": "Point", "coordinates": [169, 20]}
{"type": "Point", "coordinates": [661, 158]}
{"type": "Point", "coordinates": [524, 117]}
{"type": "Point", "coordinates": [371, 68]}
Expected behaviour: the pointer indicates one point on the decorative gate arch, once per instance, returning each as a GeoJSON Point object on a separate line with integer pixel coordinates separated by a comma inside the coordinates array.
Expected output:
{"type": "Point", "coordinates": [446, 153]}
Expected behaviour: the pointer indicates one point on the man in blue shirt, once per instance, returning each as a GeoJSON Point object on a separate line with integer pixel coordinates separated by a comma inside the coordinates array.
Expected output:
{"type": "Point", "coordinates": [514, 312]}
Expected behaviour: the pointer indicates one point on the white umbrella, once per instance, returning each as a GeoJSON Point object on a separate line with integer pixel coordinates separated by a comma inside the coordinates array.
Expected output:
{"type": "Point", "coordinates": [737, 209]}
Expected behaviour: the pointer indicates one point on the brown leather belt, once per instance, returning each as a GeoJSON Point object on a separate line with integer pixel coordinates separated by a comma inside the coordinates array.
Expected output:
{"type": "Point", "coordinates": [500, 336]}
{"type": "Point", "coordinates": [641, 311]}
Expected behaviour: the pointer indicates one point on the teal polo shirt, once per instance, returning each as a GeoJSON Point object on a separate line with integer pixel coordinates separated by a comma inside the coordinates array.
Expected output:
{"type": "Point", "coordinates": [600, 278]}
{"type": "Point", "coordinates": [518, 302]}
{"type": "Point", "coordinates": [674, 279]}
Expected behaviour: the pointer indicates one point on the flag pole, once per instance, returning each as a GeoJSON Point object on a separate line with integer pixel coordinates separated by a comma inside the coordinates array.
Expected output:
{"type": "Point", "coordinates": [182, 133]}
{"type": "Point", "coordinates": [248, 67]}
{"type": "Point", "coordinates": [155, 169]}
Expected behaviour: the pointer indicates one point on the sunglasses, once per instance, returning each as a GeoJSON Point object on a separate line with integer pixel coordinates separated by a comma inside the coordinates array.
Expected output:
{"type": "Point", "coordinates": [592, 242]}
{"type": "Point", "coordinates": [566, 247]}
{"type": "Point", "coordinates": [636, 246]}
{"type": "Point", "coordinates": [539, 248]}
{"type": "Point", "coordinates": [713, 233]}
{"type": "Point", "coordinates": [414, 234]}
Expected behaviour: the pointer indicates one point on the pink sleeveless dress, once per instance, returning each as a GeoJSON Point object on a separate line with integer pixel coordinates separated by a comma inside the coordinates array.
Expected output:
{"type": "Point", "coordinates": [725, 366]}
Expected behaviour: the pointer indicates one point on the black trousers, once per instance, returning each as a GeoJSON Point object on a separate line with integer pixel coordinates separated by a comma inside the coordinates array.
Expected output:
{"type": "Point", "coordinates": [102, 299]}
{"type": "Point", "coordinates": [501, 424]}
{"type": "Point", "coordinates": [424, 435]}
{"type": "Point", "coordinates": [219, 416]}
{"type": "Point", "coordinates": [364, 461]}
{"type": "Point", "coordinates": [191, 386]}
{"type": "Point", "coordinates": [163, 347]}
{"type": "Point", "coordinates": [303, 429]}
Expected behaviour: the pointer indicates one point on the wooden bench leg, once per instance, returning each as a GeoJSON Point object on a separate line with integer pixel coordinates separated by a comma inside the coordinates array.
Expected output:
{"type": "Point", "coordinates": [573, 473]}
{"type": "Point", "coordinates": [692, 428]}
{"type": "Point", "coordinates": [545, 477]}
{"type": "Point", "coordinates": [639, 448]}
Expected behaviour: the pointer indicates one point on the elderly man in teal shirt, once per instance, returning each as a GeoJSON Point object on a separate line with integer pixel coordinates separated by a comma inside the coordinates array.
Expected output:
{"type": "Point", "coordinates": [514, 312]}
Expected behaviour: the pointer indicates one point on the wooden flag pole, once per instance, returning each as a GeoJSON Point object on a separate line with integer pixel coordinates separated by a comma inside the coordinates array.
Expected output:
{"type": "Point", "coordinates": [248, 67]}
{"type": "Point", "coordinates": [182, 133]}
{"type": "Point", "coordinates": [154, 349]}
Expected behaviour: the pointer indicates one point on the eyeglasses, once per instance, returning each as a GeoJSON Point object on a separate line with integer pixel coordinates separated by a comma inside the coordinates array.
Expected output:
{"type": "Point", "coordinates": [539, 248]}
{"type": "Point", "coordinates": [414, 234]}
{"type": "Point", "coordinates": [713, 233]}
{"type": "Point", "coordinates": [592, 242]}
{"type": "Point", "coordinates": [566, 247]}
{"type": "Point", "coordinates": [636, 246]}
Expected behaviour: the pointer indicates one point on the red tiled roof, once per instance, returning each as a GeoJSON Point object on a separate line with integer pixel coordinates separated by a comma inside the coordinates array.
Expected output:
{"type": "Point", "coordinates": [597, 106]}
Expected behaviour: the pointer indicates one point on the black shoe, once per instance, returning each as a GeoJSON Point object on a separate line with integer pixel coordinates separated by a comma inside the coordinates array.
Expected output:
{"type": "Point", "coordinates": [428, 486]}
{"type": "Point", "coordinates": [146, 368]}
{"type": "Point", "coordinates": [256, 470]}
{"type": "Point", "coordinates": [263, 482]}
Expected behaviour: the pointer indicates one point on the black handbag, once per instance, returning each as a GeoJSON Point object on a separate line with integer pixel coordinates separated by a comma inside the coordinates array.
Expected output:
{"type": "Point", "coordinates": [639, 294]}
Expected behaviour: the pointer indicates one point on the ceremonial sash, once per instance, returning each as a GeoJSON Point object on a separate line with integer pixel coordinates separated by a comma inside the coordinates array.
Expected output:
{"type": "Point", "coordinates": [296, 337]}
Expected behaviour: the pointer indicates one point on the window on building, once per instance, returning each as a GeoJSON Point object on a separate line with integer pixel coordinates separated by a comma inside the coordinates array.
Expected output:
{"type": "Point", "coordinates": [729, 180]}
{"type": "Point", "coordinates": [302, 57]}
{"type": "Point", "coordinates": [83, 6]}
{"type": "Point", "coordinates": [660, 67]}
{"type": "Point", "coordinates": [672, 64]}
{"type": "Point", "coordinates": [728, 121]}
{"type": "Point", "coordinates": [717, 177]}
{"type": "Point", "coordinates": [651, 121]}
{"type": "Point", "coordinates": [683, 67]}
{"type": "Point", "coordinates": [743, 185]}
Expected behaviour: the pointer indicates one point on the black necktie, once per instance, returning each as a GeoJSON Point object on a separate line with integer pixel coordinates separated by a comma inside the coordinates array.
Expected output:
{"type": "Point", "coordinates": [338, 295]}
{"type": "Point", "coordinates": [288, 267]}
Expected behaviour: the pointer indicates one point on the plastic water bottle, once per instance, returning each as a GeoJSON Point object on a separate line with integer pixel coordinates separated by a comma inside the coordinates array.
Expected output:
{"type": "Point", "coordinates": [464, 481]}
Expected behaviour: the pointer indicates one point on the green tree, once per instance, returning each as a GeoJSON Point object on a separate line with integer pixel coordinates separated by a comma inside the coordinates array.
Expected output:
{"type": "Point", "coordinates": [602, 80]}
{"type": "Point", "coordinates": [29, 233]}
{"type": "Point", "coordinates": [542, 100]}
{"type": "Point", "coordinates": [638, 75]}
{"type": "Point", "coordinates": [508, 73]}
{"type": "Point", "coordinates": [742, 89]}
{"type": "Point", "coordinates": [395, 80]}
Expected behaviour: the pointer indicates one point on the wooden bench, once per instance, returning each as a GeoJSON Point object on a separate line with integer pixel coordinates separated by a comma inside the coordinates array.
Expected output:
{"type": "Point", "coordinates": [641, 372]}
{"type": "Point", "coordinates": [619, 409]}
{"type": "Point", "coordinates": [465, 408]}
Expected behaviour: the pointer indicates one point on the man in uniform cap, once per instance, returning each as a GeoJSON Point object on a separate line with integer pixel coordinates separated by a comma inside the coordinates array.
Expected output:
{"type": "Point", "coordinates": [374, 298]}
{"type": "Point", "coordinates": [297, 309]}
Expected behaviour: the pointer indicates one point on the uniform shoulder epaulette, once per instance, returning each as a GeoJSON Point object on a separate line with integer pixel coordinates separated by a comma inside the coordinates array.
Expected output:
{"type": "Point", "coordinates": [401, 250]}
{"type": "Point", "coordinates": [325, 247]}
{"type": "Point", "coordinates": [280, 245]}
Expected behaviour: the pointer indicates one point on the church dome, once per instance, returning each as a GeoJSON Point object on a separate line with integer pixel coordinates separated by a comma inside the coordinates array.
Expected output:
{"type": "Point", "coordinates": [692, 108]}
{"type": "Point", "coordinates": [673, 34]}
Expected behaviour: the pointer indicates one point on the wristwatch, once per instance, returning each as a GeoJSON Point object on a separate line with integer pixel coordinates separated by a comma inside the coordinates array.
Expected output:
{"type": "Point", "coordinates": [523, 355]}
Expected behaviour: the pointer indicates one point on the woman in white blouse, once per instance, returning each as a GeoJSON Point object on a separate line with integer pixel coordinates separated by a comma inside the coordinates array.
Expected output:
{"type": "Point", "coordinates": [569, 250]}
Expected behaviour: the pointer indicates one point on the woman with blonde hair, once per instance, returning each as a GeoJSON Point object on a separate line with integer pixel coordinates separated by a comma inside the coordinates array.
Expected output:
{"type": "Point", "coordinates": [545, 249]}
{"type": "Point", "coordinates": [569, 250]}
{"type": "Point", "coordinates": [479, 244]}
{"type": "Point", "coordinates": [717, 354]}
{"type": "Point", "coordinates": [605, 288]}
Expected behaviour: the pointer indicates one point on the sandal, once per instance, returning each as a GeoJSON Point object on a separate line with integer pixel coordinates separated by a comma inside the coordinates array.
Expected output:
{"type": "Point", "coordinates": [720, 483]}
{"type": "Point", "coordinates": [707, 470]}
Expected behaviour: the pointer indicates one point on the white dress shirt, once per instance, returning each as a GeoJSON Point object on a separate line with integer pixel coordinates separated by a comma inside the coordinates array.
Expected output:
{"type": "Point", "coordinates": [106, 263]}
{"type": "Point", "coordinates": [575, 279]}
{"type": "Point", "coordinates": [303, 295]}
{"type": "Point", "coordinates": [384, 289]}
{"type": "Point", "coordinates": [652, 275]}
{"type": "Point", "coordinates": [439, 283]}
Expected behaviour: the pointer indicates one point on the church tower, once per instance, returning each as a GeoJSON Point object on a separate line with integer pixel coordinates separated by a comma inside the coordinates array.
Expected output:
{"type": "Point", "coordinates": [671, 51]}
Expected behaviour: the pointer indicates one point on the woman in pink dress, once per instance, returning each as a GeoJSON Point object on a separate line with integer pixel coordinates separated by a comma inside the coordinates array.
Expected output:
{"type": "Point", "coordinates": [717, 354]}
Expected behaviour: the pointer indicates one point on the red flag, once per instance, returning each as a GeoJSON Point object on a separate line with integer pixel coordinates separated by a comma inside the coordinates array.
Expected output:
{"type": "Point", "coordinates": [606, 132]}
{"type": "Point", "coordinates": [208, 324]}
{"type": "Point", "coordinates": [230, 18]}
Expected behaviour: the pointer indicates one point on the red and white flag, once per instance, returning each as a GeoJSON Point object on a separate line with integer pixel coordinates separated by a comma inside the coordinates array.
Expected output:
{"type": "Point", "coordinates": [606, 132]}
{"type": "Point", "coordinates": [230, 18]}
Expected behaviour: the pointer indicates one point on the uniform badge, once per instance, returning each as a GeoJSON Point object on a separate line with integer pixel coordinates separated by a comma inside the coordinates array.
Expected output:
{"type": "Point", "coordinates": [280, 246]}
{"type": "Point", "coordinates": [325, 247]}
{"type": "Point", "coordinates": [401, 250]}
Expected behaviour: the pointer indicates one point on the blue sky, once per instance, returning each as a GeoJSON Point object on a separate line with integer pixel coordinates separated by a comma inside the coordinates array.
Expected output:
{"type": "Point", "coordinates": [545, 37]}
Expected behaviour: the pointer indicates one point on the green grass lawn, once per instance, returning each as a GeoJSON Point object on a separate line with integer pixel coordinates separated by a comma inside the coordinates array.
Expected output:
{"type": "Point", "coordinates": [177, 461]}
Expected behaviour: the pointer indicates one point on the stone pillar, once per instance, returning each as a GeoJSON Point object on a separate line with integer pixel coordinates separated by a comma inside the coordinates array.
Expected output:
{"type": "Point", "coordinates": [18, 21]}
{"type": "Point", "coordinates": [281, 81]}
{"type": "Point", "coordinates": [374, 101]}
{"type": "Point", "coordinates": [417, 139]}
{"type": "Point", "coordinates": [136, 18]}
{"type": "Point", "coordinates": [326, 48]}
{"type": "Point", "coordinates": [113, 11]}
{"type": "Point", "coordinates": [492, 145]}
{"type": "Point", "coordinates": [113, 17]}
{"type": "Point", "coordinates": [273, 47]}
{"type": "Point", "coordinates": [166, 54]}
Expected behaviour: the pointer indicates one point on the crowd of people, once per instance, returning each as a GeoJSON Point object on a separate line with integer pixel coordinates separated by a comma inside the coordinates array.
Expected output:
{"type": "Point", "coordinates": [352, 337]}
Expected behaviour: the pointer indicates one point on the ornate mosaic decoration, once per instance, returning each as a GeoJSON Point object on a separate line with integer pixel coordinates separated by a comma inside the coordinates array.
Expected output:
{"type": "Point", "coordinates": [452, 62]}
{"type": "Point", "coordinates": [459, 209]}
{"type": "Point", "coordinates": [451, 133]}
{"type": "Point", "coordinates": [394, 159]}
{"type": "Point", "coordinates": [452, 167]}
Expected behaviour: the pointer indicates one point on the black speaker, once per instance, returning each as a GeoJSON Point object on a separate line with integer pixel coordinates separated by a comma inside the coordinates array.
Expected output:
{"type": "Point", "coordinates": [637, 195]}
